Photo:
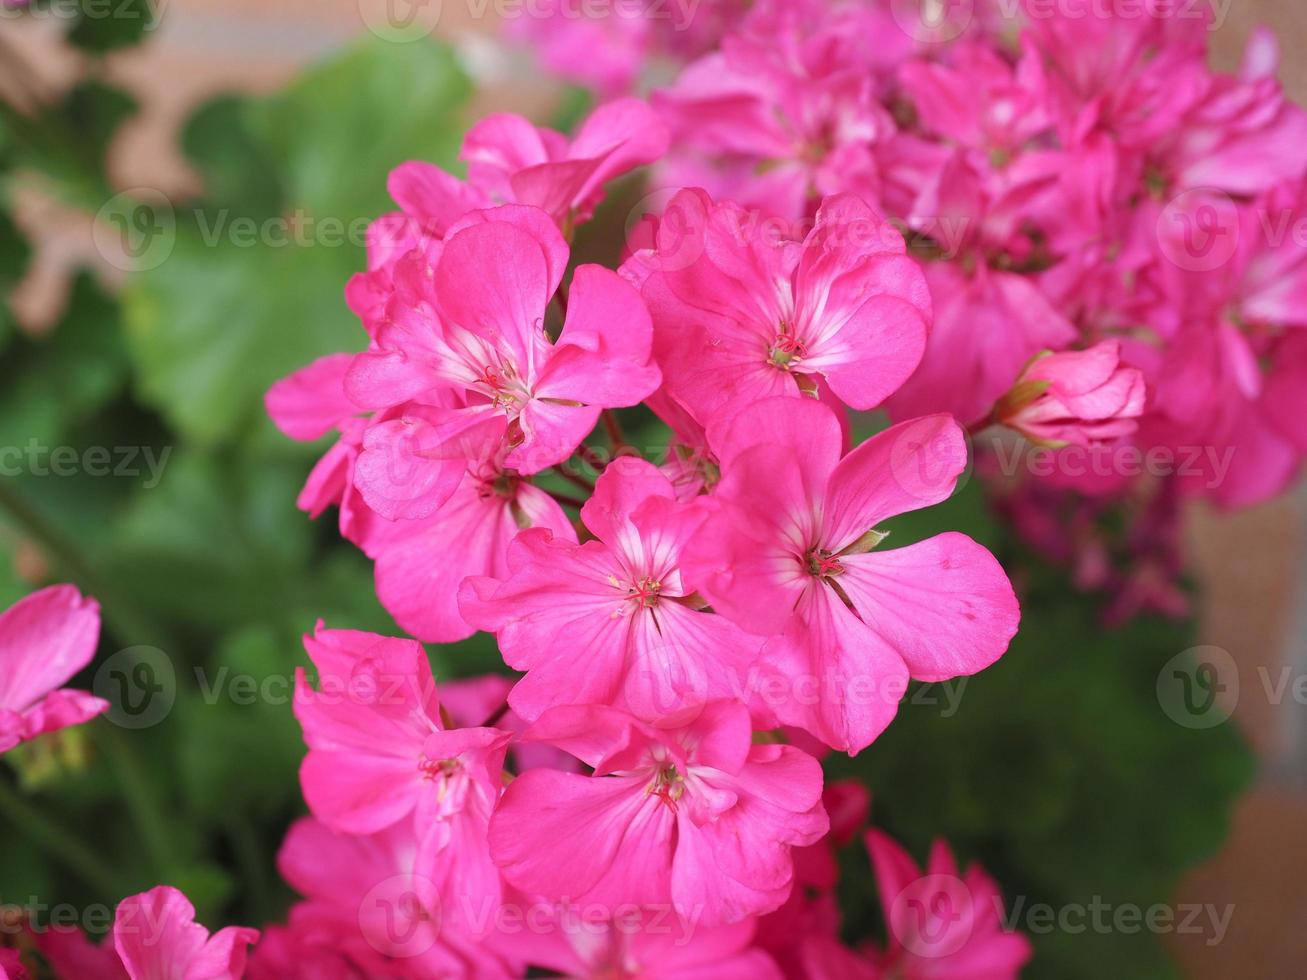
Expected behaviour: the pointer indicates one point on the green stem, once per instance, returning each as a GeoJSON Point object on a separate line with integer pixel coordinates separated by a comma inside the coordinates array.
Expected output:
{"type": "Point", "coordinates": [59, 843]}
{"type": "Point", "coordinates": [249, 855]}
{"type": "Point", "coordinates": [139, 793]}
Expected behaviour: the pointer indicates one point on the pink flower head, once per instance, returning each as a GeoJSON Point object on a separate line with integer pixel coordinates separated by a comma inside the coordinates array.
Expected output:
{"type": "Point", "coordinates": [689, 813]}
{"type": "Point", "coordinates": [1075, 397]}
{"type": "Point", "coordinates": [421, 563]}
{"type": "Point", "coordinates": [512, 161]}
{"type": "Point", "coordinates": [785, 113]}
{"type": "Point", "coordinates": [379, 753]}
{"type": "Point", "coordinates": [474, 330]}
{"type": "Point", "coordinates": [157, 938]}
{"type": "Point", "coordinates": [612, 621]}
{"type": "Point", "coordinates": [606, 47]}
{"type": "Point", "coordinates": [942, 923]}
{"type": "Point", "coordinates": [647, 943]}
{"type": "Point", "coordinates": [46, 638]}
{"type": "Point", "coordinates": [372, 908]}
{"type": "Point", "coordinates": [516, 162]}
{"type": "Point", "coordinates": [741, 313]}
{"type": "Point", "coordinates": [790, 556]}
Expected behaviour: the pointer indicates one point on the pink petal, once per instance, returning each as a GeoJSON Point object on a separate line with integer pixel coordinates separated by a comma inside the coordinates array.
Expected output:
{"type": "Point", "coordinates": [311, 402]}
{"type": "Point", "coordinates": [908, 466]}
{"type": "Point", "coordinates": [838, 680]}
{"type": "Point", "coordinates": [619, 839]}
{"type": "Point", "coordinates": [410, 466]}
{"type": "Point", "coordinates": [875, 351]}
{"type": "Point", "coordinates": [493, 280]}
{"type": "Point", "coordinates": [157, 937]}
{"type": "Point", "coordinates": [945, 604]}
{"type": "Point", "coordinates": [603, 355]}
{"type": "Point", "coordinates": [45, 638]}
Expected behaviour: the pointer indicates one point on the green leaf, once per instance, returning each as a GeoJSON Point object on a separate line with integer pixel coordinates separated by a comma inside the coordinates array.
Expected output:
{"type": "Point", "coordinates": [216, 544]}
{"type": "Point", "coordinates": [14, 255]}
{"type": "Point", "coordinates": [239, 303]}
{"type": "Point", "coordinates": [244, 707]}
{"type": "Point", "coordinates": [1063, 774]}
{"type": "Point", "coordinates": [339, 129]}
{"type": "Point", "coordinates": [216, 324]}
{"type": "Point", "coordinates": [237, 168]}
{"type": "Point", "coordinates": [67, 376]}
{"type": "Point", "coordinates": [101, 26]}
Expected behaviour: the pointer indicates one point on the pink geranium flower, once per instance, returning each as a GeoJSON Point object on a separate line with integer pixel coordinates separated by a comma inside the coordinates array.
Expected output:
{"type": "Point", "coordinates": [742, 312]}
{"type": "Point", "coordinates": [942, 922]}
{"type": "Point", "coordinates": [157, 938]}
{"type": "Point", "coordinates": [790, 555]}
{"type": "Point", "coordinates": [512, 161]}
{"type": "Point", "coordinates": [379, 753]}
{"type": "Point", "coordinates": [46, 638]}
{"type": "Point", "coordinates": [688, 814]}
{"type": "Point", "coordinates": [1075, 398]}
{"type": "Point", "coordinates": [611, 621]}
{"type": "Point", "coordinates": [475, 330]}
{"type": "Point", "coordinates": [785, 112]}
{"type": "Point", "coordinates": [371, 908]}
{"type": "Point", "coordinates": [640, 942]}
{"type": "Point", "coordinates": [421, 563]}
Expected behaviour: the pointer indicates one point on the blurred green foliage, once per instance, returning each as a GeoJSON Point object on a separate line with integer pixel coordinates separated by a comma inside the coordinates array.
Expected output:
{"type": "Point", "coordinates": [1058, 769]}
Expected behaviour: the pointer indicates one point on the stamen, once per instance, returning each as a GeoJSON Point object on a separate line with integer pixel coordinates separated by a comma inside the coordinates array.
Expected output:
{"type": "Point", "coordinates": [823, 564]}
{"type": "Point", "coordinates": [668, 785]}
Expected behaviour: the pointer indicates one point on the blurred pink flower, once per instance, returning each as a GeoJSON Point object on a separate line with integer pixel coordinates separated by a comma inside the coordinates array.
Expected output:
{"type": "Point", "coordinates": [46, 638]}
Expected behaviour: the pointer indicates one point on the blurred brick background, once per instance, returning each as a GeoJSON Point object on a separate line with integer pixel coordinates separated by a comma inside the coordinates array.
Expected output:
{"type": "Point", "coordinates": [1253, 565]}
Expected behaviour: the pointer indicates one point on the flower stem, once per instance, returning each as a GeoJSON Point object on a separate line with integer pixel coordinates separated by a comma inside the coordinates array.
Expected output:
{"type": "Point", "coordinates": [567, 500]}
{"type": "Point", "coordinates": [58, 842]}
{"type": "Point", "coordinates": [614, 430]}
{"type": "Point", "coordinates": [574, 478]}
{"type": "Point", "coordinates": [139, 793]}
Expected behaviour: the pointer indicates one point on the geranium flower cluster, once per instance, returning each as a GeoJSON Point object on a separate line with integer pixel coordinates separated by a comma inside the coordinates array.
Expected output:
{"type": "Point", "coordinates": [1075, 178]}
{"type": "Point", "coordinates": [1057, 231]}
{"type": "Point", "coordinates": [692, 629]}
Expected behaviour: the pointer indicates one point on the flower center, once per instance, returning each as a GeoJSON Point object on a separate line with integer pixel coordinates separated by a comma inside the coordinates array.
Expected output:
{"type": "Point", "coordinates": [448, 775]}
{"type": "Point", "coordinates": [786, 350]}
{"type": "Point", "coordinates": [668, 785]}
{"type": "Point", "coordinates": [433, 769]}
{"type": "Point", "coordinates": [645, 592]}
{"type": "Point", "coordinates": [504, 386]}
{"type": "Point", "coordinates": [503, 484]}
{"type": "Point", "coordinates": [823, 564]}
